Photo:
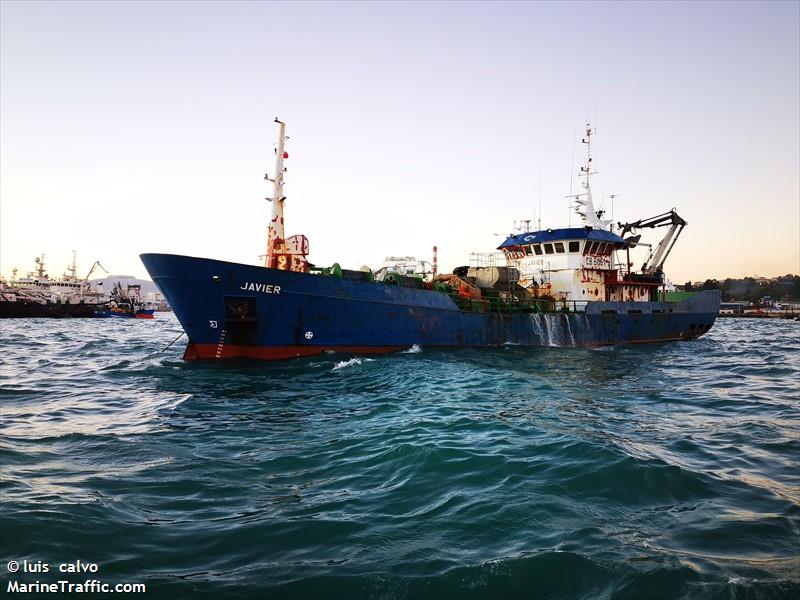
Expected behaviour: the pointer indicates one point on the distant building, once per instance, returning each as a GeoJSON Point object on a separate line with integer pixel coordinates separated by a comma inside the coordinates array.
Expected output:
{"type": "Point", "coordinates": [765, 280]}
{"type": "Point", "coordinates": [156, 301]}
{"type": "Point", "coordinates": [732, 308]}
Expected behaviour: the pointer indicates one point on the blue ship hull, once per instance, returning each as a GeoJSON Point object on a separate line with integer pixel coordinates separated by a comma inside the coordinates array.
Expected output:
{"type": "Point", "coordinates": [231, 310]}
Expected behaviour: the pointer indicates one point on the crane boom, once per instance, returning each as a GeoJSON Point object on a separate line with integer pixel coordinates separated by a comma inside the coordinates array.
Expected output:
{"type": "Point", "coordinates": [658, 255]}
{"type": "Point", "coordinates": [94, 266]}
{"type": "Point", "coordinates": [85, 283]}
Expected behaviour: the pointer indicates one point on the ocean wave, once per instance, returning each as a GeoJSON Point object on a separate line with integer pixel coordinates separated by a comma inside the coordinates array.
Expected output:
{"type": "Point", "coordinates": [343, 364]}
{"type": "Point", "coordinates": [662, 470]}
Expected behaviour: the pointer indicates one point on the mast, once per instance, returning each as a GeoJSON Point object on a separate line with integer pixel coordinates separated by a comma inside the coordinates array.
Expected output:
{"type": "Point", "coordinates": [40, 266]}
{"type": "Point", "coordinates": [275, 233]}
{"type": "Point", "coordinates": [73, 268]}
{"type": "Point", "coordinates": [586, 169]}
{"type": "Point", "coordinates": [539, 228]}
{"type": "Point", "coordinates": [584, 204]}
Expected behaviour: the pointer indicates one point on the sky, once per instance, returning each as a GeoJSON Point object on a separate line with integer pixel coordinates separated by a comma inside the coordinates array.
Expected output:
{"type": "Point", "coordinates": [148, 127]}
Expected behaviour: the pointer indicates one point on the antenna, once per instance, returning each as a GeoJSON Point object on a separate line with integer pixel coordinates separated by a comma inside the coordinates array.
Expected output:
{"type": "Point", "coordinates": [571, 163]}
{"type": "Point", "coordinates": [523, 227]}
{"type": "Point", "coordinates": [73, 269]}
{"type": "Point", "coordinates": [596, 104]}
{"type": "Point", "coordinates": [540, 196]}
{"type": "Point", "coordinates": [612, 196]}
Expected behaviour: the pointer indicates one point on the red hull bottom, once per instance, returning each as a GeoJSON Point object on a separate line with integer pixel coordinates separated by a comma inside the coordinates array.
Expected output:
{"type": "Point", "coordinates": [218, 351]}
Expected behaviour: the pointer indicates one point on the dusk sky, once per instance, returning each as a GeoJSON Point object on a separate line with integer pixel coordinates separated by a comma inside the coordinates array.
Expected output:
{"type": "Point", "coordinates": [148, 127]}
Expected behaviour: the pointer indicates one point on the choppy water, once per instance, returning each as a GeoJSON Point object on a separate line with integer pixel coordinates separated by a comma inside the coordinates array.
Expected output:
{"type": "Point", "coordinates": [659, 471]}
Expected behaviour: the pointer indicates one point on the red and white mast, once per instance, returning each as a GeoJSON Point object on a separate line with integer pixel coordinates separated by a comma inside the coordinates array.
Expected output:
{"type": "Point", "coordinates": [275, 234]}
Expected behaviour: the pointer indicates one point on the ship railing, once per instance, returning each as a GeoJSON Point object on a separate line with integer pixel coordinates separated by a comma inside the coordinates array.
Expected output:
{"type": "Point", "coordinates": [487, 259]}
{"type": "Point", "coordinates": [503, 305]}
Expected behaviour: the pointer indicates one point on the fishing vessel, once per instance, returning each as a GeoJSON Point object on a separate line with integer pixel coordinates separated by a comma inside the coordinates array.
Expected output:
{"type": "Point", "coordinates": [126, 303]}
{"type": "Point", "coordinates": [37, 295]}
{"type": "Point", "coordinates": [551, 287]}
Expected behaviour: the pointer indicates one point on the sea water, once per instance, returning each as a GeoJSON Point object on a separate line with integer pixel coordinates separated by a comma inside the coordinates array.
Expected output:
{"type": "Point", "coordinates": [648, 471]}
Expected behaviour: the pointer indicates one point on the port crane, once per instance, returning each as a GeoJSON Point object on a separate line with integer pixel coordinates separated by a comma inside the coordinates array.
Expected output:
{"type": "Point", "coordinates": [658, 255]}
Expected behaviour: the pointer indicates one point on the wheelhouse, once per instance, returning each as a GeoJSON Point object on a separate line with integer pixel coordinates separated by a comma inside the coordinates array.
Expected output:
{"type": "Point", "coordinates": [576, 264]}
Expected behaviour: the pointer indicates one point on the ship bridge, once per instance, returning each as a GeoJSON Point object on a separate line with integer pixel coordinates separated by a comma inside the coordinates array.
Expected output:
{"type": "Point", "coordinates": [575, 263]}
{"type": "Point", "coordinates": [578, 263]}
{"type": "Point", "coordinates": [568, 248]}
{"type": "Point", "coordinates": [572, 235]}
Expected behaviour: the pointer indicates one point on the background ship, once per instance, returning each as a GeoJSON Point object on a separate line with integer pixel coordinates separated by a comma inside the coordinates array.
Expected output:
{"type": "Point", "coordinates": [554, 287]}
{"type": "Point", "coordinates": [37, 295]}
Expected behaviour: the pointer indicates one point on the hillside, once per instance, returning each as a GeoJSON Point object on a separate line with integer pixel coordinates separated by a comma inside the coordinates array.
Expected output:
{"type": "Point", "coordinates": [107, 283]}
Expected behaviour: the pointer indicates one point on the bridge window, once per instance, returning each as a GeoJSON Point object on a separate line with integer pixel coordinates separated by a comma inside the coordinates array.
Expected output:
{"type": "Point", "coordinates": [548, 248]}
{"type": "Point", "coordinates": [574, 246]}
{"type": "Point", "coordinates": [527, 250]}
{"type": "Point", "coordinates": [537, 249]}
{"type": "Point", "coordinates": [559, 247]}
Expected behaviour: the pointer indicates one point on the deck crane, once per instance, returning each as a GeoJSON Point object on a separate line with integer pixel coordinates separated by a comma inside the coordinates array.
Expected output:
{"type": "Point", "coordinates": [85, 282]}
{"type": "Point", "coordinates": [658, 255]}
{"type": "Point", "coordinates": [94, 266]}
